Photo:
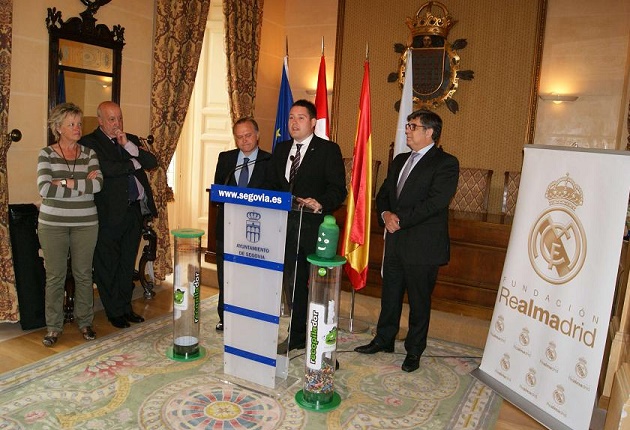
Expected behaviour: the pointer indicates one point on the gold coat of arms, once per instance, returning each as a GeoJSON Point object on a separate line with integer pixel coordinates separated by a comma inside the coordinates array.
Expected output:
{"type": "Point", "coordinates": [435, 62]}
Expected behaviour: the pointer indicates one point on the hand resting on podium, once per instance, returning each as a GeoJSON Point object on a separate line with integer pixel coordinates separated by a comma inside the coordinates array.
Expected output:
{"type": "Point", "coordinates": [306, 203]}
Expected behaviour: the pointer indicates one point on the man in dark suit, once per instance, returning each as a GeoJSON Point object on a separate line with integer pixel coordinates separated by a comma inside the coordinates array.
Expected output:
{"type": "Point", "coordinates": [244, 166]}
{"type": "Point", "coordinates": [126, 196]}
{"type": "Point", "coordinates": [413, 206]}
{"type": "Point", "coordinates": [315, 175]}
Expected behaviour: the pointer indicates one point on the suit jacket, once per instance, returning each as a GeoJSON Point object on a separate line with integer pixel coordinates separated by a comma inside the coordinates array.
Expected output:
{"type": "Point", "coordinates": [321, 176]}
{"type": "Point", "coordinates": [112, 201]}
{"type": "Point", "coordinates": [224, 175]}
{"type": "Point", "coordinates": [422, 207]}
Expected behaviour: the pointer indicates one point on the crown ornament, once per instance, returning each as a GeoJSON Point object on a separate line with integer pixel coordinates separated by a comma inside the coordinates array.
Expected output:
{"type": "Point", "coordinates": [430, 23]}
{"type": "Point", "coordinates": [565, 192]}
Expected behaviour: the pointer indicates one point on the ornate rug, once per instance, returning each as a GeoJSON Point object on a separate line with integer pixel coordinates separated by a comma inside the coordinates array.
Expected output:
{"type": "Point", "coordinates": [126, 381]}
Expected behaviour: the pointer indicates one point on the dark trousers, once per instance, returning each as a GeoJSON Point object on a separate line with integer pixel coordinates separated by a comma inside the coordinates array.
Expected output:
{"type": "Point", "coordinates": [293, 253]}
{"type": "Point", "coordinates": [300, 294]}
{"type": "Point", "coordinates": [418, 281]}
{"type": "Point", "coordinates": [115, 260]}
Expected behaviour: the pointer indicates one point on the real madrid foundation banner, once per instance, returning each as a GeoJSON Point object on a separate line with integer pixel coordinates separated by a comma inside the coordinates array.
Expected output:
{"type": "Point", "coordinates": [548, 331]}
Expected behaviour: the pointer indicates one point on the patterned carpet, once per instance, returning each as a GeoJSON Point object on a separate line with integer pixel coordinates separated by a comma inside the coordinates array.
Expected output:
{"type": "Point", "coordinates": [125, 381]}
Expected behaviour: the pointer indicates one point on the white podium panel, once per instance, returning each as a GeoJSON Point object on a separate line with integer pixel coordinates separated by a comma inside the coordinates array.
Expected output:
{"type": "Point", "coordinates": [254, 239]}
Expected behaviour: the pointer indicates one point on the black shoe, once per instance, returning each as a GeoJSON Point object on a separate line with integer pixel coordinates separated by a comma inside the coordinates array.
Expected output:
{"type": "Point", "coordinates": [411, 363]}
{"type": "Point", "coordinates": [373, 348]}
{"type": "Point", "coordinates": [285, 346]}
{"type": "Point", "coordinates": [297, 344]}
{"type": "Point", "coordinates": [219, 326]}
{"type": "Point", "coordinates": [119, 322]}
{"type": "Point", "coordinates": [133, 317]}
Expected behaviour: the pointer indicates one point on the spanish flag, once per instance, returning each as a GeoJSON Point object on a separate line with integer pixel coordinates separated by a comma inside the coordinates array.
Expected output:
{"type": "Point", "coordinates": [356, 238]}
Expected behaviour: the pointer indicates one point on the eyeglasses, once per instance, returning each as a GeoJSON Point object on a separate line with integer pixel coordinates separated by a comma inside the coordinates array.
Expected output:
{"type": "Point", "coordinates": [411, 126]}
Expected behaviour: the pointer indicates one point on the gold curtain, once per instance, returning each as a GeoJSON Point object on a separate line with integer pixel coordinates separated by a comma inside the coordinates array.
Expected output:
{"type": "Point", "coordinates": [243, 20]}
{"type": "Point", "coordinates": [179, 29]}
{"type": "Point", "coordinates": [8, 295]}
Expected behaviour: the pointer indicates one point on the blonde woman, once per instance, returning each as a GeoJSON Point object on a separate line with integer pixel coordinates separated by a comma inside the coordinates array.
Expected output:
{"type": "Point", "coordinates": [68, 175]}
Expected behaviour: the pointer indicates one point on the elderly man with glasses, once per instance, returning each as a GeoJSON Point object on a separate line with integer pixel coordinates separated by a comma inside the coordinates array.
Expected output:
{"type": "Point", "coordinates": [413, 206]}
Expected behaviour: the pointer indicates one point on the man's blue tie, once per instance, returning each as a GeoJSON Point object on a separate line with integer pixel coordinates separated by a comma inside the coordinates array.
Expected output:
{"type": "Point", "coordinates": [243, 178]}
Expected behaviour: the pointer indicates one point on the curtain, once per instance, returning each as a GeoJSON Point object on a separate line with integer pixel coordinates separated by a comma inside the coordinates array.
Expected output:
{"type": "Point", "coordinates": [243, 20]}
{"type": "Point", "coordinates": [8, 295]}
{"type": "Point", "coordinates": [179, 29]}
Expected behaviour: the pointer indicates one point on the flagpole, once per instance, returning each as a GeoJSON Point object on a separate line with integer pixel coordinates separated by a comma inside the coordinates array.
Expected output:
{"type": "Point", "coordinates": [349, 325]}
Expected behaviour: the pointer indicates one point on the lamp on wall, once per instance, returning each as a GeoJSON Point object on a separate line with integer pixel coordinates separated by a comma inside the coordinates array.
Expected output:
{"type": "Point", "coordinates": [558, 98]}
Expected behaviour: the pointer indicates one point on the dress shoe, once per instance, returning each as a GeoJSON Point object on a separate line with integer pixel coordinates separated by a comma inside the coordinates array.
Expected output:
{"type": "Point", "coordinates": [411, 363]}
{"type": "Point", "coordinates": [373, 348]}
{"type": "Point", "coordinates": [134, 317]}
{"type": "Point", "coordinates": [285, 346]}
{"type": "Point", "coordinates": [219, 326]}
{"type": "Point", "coordinates": [119, 322]}
{"type": "Point", "coordinates": [298, 344]}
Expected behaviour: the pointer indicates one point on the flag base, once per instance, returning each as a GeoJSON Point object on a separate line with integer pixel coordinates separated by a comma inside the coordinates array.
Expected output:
{"type": "Point", "coordinates": [351, 325]}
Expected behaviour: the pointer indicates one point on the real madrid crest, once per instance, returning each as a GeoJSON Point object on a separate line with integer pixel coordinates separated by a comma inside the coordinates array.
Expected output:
{"type": "Point", "coordinates": [435, 62]}
{"type": "Point", "coordinates": [557, 240]}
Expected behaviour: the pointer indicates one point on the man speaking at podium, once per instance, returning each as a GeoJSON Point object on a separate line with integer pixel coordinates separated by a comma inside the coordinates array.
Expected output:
{"type": "Point", "coordinates": [312, 170]}
{"type": "Point", "coordinates": [244, 166]}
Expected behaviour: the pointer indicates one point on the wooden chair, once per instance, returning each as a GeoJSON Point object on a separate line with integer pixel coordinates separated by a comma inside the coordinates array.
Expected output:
{"type": "Point", "coordinates": [473, 189]}
{"type": "Point", "coordinates": [510, 192]}
{"type": "Point", "coordinates": [376, 164]}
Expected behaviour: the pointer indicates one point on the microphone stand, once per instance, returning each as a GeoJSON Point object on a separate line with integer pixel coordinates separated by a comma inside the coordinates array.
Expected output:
{"type": "Point", "coordinates": [240, 166]}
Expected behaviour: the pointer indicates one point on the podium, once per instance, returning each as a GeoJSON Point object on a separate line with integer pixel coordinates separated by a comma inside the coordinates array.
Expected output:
{"type": "Point", "coordinates": [254, 241]}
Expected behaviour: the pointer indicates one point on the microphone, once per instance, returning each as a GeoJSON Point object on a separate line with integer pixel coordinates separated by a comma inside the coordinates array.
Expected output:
{"type": "Point", "coordinates": [292, 158]}
{"type": "Point", "coordinates": [240, 166]}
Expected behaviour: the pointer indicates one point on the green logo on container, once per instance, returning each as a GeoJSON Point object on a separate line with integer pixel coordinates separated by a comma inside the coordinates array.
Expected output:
{"type": "Point", "coordinates": [331, 337]}
{"type": "Point", "coordinates": [321, 271]}
{"type": "Point", "coordinates": [178, 297]}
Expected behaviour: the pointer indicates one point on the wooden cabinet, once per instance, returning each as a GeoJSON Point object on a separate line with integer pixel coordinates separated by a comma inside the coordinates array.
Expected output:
{"type": "Point", "coordinates": [618, 341]}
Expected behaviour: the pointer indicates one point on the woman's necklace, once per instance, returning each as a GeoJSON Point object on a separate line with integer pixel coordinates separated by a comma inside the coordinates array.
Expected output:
{"type": "Point", "coordinates": [74, 165]}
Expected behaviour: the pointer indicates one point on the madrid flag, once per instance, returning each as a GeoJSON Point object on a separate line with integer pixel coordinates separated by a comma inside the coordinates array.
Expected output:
{"type": "Point", "coordinates": [356, 238]}
{"type": "Point", "coordinates": [322, 128]}
{"type": "Point", "coordinates": [406, 107]}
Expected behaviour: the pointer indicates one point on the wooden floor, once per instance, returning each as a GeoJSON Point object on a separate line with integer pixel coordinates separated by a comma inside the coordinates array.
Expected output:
{"type": "Point", "coordinates": [27, 348]}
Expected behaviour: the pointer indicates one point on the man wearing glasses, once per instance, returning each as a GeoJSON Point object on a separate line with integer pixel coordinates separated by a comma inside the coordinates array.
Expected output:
{"type": "Point", "coordinates": [413, 206]}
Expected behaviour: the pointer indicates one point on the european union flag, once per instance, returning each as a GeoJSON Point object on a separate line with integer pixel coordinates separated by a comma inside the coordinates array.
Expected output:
{"type": "Point", "coordinates": [285, 101]}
